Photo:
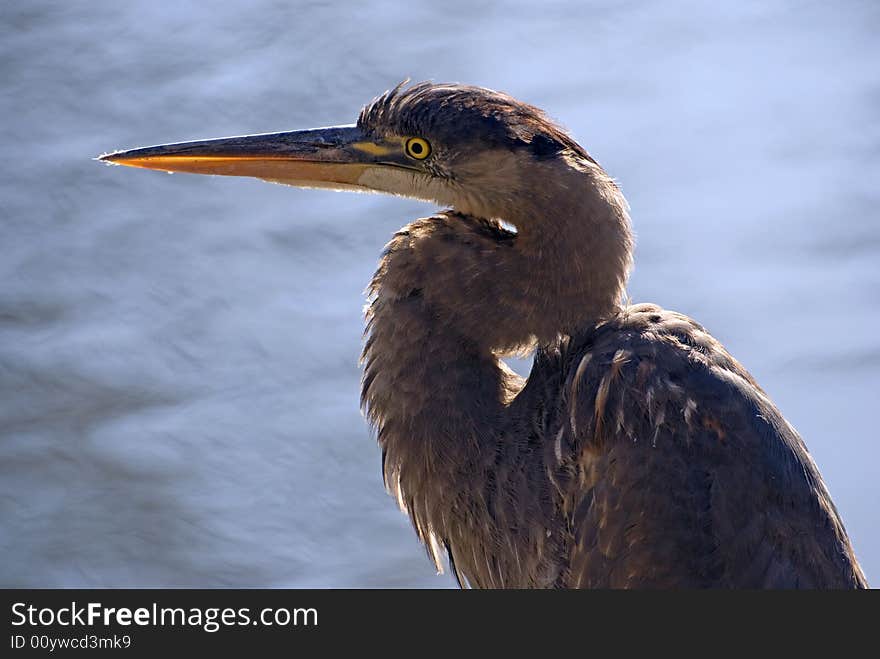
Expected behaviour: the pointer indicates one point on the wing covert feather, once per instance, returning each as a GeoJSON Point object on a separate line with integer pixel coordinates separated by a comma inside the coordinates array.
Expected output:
{"type": "Point", "coordinates": [677, 471]}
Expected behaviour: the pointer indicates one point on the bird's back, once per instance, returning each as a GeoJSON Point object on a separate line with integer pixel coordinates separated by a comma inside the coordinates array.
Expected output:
{"type": "Point", "coordinates": [672, 468]}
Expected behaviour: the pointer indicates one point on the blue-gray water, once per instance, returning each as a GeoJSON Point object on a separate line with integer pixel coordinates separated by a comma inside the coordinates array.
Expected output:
{"type": "Point", "coordinates": [178, 354]}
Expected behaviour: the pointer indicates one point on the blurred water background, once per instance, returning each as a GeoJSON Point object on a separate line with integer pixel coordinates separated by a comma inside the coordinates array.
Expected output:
{"type": "Point", "coordinates": [178, 354]}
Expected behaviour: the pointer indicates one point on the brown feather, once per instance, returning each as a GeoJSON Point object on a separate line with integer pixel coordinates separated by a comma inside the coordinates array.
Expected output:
{"type": "Point", "coordinates": [639, 453]}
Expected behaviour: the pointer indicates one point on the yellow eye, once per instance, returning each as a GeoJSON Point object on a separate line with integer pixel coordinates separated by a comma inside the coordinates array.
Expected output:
{"type": "Point", "coordinates": [418, 148]}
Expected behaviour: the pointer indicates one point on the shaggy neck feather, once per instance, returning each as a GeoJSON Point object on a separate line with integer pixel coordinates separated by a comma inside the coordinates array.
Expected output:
{"type": "Point", "coordinates": [451, 293]}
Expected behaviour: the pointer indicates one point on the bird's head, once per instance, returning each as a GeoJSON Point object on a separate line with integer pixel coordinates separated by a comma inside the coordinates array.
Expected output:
{"type": "Point", "coordinates": [475, 149]}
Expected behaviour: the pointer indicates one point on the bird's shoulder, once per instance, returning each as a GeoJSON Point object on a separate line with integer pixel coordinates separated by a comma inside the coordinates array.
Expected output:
{"type": "Point", "coordinates": [648, 368]}
{"type": "Point", "coordinates": [664, 449]}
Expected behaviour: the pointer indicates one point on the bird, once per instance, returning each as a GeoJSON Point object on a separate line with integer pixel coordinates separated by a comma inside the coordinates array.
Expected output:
{"type": "Point", "coordinates": [638, 453]}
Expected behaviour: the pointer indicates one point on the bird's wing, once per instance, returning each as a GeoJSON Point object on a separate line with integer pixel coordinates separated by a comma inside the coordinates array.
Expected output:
{"type": "Point", "coordinates": [676, 470]}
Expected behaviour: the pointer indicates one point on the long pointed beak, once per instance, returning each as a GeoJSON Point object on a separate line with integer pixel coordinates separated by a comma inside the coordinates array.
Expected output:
{"type": "Point", "coordinates": [336, 157]}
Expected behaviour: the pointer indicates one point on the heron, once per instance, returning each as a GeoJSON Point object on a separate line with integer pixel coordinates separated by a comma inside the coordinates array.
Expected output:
{"type": "Point", "coordinates": [638, 453]}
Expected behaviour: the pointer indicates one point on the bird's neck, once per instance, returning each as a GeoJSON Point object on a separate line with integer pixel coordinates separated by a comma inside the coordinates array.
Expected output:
{"type": "Point", "coordinates": [452, 293]}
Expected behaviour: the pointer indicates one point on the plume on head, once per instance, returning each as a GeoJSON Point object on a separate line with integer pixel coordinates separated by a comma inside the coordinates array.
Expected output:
{"type": "Point", "coordinates": [452, 113]}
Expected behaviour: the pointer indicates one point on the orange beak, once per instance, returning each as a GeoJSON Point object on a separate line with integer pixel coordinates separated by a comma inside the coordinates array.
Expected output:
{"type": "Point", "coordinates": [335, 157]}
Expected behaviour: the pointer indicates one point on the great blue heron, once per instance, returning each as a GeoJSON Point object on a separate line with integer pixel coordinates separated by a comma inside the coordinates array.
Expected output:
{"type": "Point", "coordinates": [638, 453]}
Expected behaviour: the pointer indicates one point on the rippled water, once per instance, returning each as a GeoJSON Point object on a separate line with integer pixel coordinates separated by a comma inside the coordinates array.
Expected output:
{"type": "Point", "coordinates": [178, 354]}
